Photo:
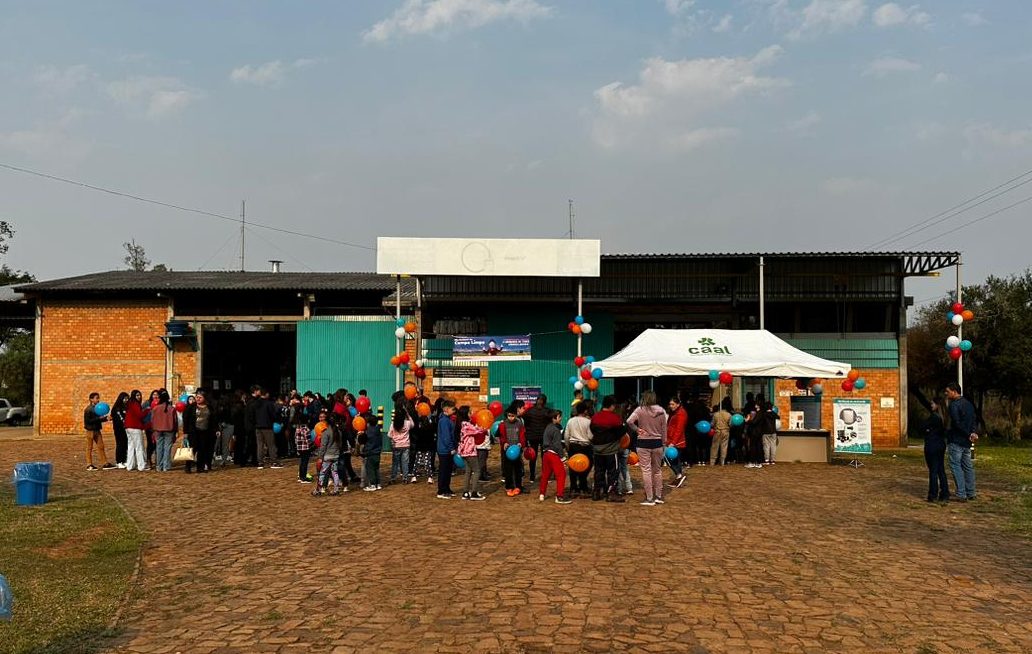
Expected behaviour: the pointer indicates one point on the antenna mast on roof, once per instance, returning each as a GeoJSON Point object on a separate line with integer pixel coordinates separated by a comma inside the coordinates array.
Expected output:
{"type": "Point", "coordinates": [243, 220]}
{"type": "Point", "coordinates": [571, 219]}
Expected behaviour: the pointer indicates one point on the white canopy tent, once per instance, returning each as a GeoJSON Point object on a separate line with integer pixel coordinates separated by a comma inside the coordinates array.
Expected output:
{"type": "Point", "coordinates": [744, 353]}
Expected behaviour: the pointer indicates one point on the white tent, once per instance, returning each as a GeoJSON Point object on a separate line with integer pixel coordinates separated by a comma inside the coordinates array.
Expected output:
{"type": "Point", "coordinates": [745, 353]}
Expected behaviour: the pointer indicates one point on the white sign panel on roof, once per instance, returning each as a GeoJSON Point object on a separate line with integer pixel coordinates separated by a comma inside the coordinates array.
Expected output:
{"type": "Point", "coordinates": [499, 257]}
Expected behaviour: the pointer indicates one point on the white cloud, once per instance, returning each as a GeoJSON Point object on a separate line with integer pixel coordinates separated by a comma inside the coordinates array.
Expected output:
{"type": "Point", "coordinates": [49, 140]}
{"type": "Point", "coordinates": [271, 73]}
{"type": "Point", "coordinates": [60, 81]}
{"type": "Point", "coordinates": [157, 97]}
{"type": "Point", "coordinates": [678, 7]}
{"type": "Point", "coordinates": [442, 16]}
{"type": "Point", "coordinates": [672, 98]}
{"type": "Point", "coordinates": [724, 24]}
{"type": "Point", "coordinates": [891, 14]}
{"type": "Point", "coordinates": [889, 65]}
{"type": "Point", "coordinates": [974, 19]}
{"type": "Point", "coordinates": [805, 124]}
{"type": "Point", "coordinates": [826, 16]}
{"type": "Point", "coordinates": [941, 78]}
{"type": "Point", "coordinates": [987, 134]}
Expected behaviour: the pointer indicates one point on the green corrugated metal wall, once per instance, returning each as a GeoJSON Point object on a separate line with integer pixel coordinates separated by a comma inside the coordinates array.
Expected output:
{"type": "Point", "coordinates": [857, 352]}
{"type": "Point", "coordinates": [350, 353]}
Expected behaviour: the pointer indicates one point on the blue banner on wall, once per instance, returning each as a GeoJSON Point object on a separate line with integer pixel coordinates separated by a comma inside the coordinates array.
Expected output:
{"type": "Point", "coordinates": [491, 348]}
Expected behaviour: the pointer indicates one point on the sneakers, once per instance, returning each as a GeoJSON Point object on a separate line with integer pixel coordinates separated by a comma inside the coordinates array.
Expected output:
{"type": "Point", "coordinates": [92, 467]}
{"type": "Point", "coordinates": [562, 500]}
{"type": "Point", "coordinates": [443, 496]}
{"type": "Point", "coordinates": [108, 466]}
{"type": "Point", "coordinates": [517, 491]}
{"type": "Point", "coordinates": [659, 500]}
{"type": "Point", "coordinates": [261, 467]}
{"type": "Point", "coordinates": [429, 480]}
{"type": "Point", "coordinates": [120, 466]}
{"type": "Point", "coordinates": [511, 492]}
{"type": "Point", "coordinates": [316, 492]}
{"type": "Point", "coordinates": [465, 496]}
{"type": "Point", "coordinates": [679, 481]}
{"type": "Point", "coordinates": [370, 489]}
{"type": "Point", "coordinates": [648, 502]}
{"type": "Point", "coordinates": [304, 481]}
{"type": "Point", "coordinates": [541, 498]}
{"type": "Point", "coordinates": [276, 466]}
{"type": "Point", "coordinates": [378, 487]}
{"type": "Point", "coordinates": [477, 497]}
{"type": "Point", "coordinates": [413, 480]}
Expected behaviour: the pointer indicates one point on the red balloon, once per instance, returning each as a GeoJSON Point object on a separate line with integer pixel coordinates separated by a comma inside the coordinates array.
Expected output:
{"type": "Point", "coordinates": [571, 325]}
{"type": "Point", "coordinates": [495, 408]}
{"type": "Point", "coordinates": [847, 385]}
{"type": "Point", "coordinates": [530, 454]}
{"type": "Point", "coordinates": [726, 378]}
{"type": "Point", "coordinates": [339, 409]}
{"type": "Point", "coordinates": [956, 353]}
{"type": "Point", "coordinates": [403, 357]}
{"type": "Point", "coordinates": [958, 307]}
{"type": "Point", "coordinates": [421, 373]}
{"type": "Point", "coordinates": [585, 374]}
{"type": "Point", "coordinates": [363, 404]}
{"type": "Point", "coordinates": [528, 405]}
{"type": "Point", "coordinates": [180, 406]}
{"type": "Point", "coordinates": [579, 361]}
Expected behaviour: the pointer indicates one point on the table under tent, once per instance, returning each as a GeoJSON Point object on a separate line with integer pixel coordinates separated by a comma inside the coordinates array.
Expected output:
{"type": "Point", "coordinates": [746, 354]}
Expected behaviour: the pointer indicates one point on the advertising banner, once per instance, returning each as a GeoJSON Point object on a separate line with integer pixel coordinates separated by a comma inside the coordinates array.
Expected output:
{"type": "Point", "coordinates": [852, 426]}
{"type": "Point", "coordinates": [525, 393]}
{"type": "Point", "coordinates": [483, 349]}
{"type": "Point", "coordinates": [456, 379]}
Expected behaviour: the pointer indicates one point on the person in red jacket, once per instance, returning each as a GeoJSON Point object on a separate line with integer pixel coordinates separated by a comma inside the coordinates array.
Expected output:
{"type": "Point", "coordinates": [136, 454]}
{"type": "Point", "coordinates": [675, 438]}
{"type": "Point", "coordinates": [512, 432]}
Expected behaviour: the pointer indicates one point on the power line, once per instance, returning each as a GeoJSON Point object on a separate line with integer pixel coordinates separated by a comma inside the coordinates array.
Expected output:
{"type": "Point", "coordinates": [221, 248]}
{"type": "Point", "coordinates": [177, 207]}
{"type": "Point", "coordinates": [939, 217]}
{"type": "Point", "coordinates": [286, 254]}
{"type": "Point", "coordinates": [972, 222]}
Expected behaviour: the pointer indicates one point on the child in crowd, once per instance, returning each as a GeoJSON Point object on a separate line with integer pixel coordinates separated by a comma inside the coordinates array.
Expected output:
{"type": "Point", "coordinates": [578, 441]}
{"type": "Point", "coordinates": [512, 432]}
{"type": "Point", "coordinates": [483, 452]}
{"type": "Point", "coordinates": [471, 436]}
{"type": "Point", "coordinates": [401, 426]}
{"type": "Point", "coordinates": [303, 446]}
{"type": "Point", "coordinates": [553, 459]}
{"type": "Point", "coordinates": [372, 445]}
{"type": "Point", "coordinates": [93, 424]}
{"type": "Point", "coordinates": [447, 446]}
{"type": "Point", "coordinates": [331, 445]}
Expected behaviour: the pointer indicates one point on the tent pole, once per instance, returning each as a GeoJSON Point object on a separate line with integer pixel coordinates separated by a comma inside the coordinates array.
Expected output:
{"type": "Point", "coordinates": [762, 317]}
{"type": "Point", "coordinates": [397, 316]}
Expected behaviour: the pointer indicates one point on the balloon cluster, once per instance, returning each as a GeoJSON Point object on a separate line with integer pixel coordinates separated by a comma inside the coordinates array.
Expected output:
{"type": "Point", "coordinates": [815, 385]}
{"type": "Point", "coordinates": [405, 326]}
{"type": "Point", "coordinates": [958, 315]}
{"type": "Point", "coordinates": [586, 377]}
{"type": "Point", "coordinates": [578, 326]}
{"type": "Point", "coordinates": [853, 381]}
{"type": "Point", "coordinates": [403, 361]}
{"type": "Point", "coordinates": [718, 378]}
{"type": "Point", "coordinates": [957, 347]}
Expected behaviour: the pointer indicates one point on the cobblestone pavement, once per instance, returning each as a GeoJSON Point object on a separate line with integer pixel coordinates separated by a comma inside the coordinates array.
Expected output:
{"type": "Point", "coordinates": [792, 558]}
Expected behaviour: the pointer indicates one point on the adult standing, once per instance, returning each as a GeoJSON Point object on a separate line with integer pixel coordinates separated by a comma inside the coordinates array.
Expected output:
{"type": "Point", "coordinates": [264, 417]}
{"type": "Point", "coordinates": [606, 431]}
{"type": "Point", "coordinates": [136, 439]}
{"type": "Point", "coordinates": [198, 425]}
{"type": "Point", "coordinates": [536, 419]}
{"type": "Point", "coordinates": [722, 433]}
{"type": "Point", "coordinates": [578, 441]}
{"type": "Point", "coordinates": [118, 413]}
{"type": "Point", "coordinates": [934, 429]}
{"type": "Point", "coordinates": [960, 436]}
{"type": "Point", "coordinates": [165, 423]}
{"type": "Point", "coordinates": [650, 422]}
{"type": "Point", "coordinates": [675, 437]}
{"type": "Point", "coordinates": [247, 446]}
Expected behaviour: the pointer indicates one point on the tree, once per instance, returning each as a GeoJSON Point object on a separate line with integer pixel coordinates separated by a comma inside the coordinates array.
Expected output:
{"type": "Point", "coordinates": [17, 346]}
{"type": "Point", "coordinates": [135, 257]}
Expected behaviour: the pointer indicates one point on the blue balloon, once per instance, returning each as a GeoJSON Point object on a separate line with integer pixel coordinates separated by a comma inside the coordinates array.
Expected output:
{"type": "Point", "coordinates": [494, 428]}
{"type": "Point", "coordinates": [353, 411]}
{"type": "Point", "coordinates": [737, 420]}
{"type": "Point", "coordinates": [573, 379]}
{"type": "Point", "coordinates": [460, 463]}
{"type": "Point", "coordinates": [400, 322]}
{"type": "Point", "coordinates": [949, 316]}
{"type": "Point", "coordinates": [102, 409]}
{"type": "Point", "coordinates": [703, 427]}
{"type": "Point", "coordinates": [579, 320]}
{"type": "Point", "coordinates": [966, 345]}
{"type": "Point", "coordinates": [277, 427]}
{"type": "Point", "coordinates": [512, 452]}
{"type": "Point", "coordinates": [589, 359]}
{"type": "Point", "coordinates": [597, 373]}
{"type": "Point", "coordinates": [403, 366]}
{"type": "Point", "coordinates": [184, 398]}
{"type": "Point", "coordinates": [775, 409]}
{"type": "Point", "coordinates": [6, 599]}
{"type": "Point", "coordinates": [859, 384]}
{"type": "Point", "coordinates": [670, 453]}
{"type": "Point", "coordinates": [714, 375]}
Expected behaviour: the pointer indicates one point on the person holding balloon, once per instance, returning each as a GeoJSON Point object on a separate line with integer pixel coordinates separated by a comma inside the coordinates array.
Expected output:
{"type": "Point", "coordinates": [578, 442]}
{"type": "Point", "coordinates": [399, 433]}
{"type": "Point", "coordinates": [553, 460]}
{"type": "Point", "coordinates": [447, 446]}
{"type": "Point", "coordinates": [165, 423]}
{"type": "Point", "coordinates": [722, 421]}
{"type": "Point", "coordinates": [675, 437]}
{"type": "Point", "coordinates": [93, 419]}
{"type": "Point", "coordinates": [512, 436]}
{"type": "Point", "coordinates": [370, 440]}
{"type": "Point", "coordinates": [471, 434]}
{"type": "Point", "coordinates": [650, 421]}
{"type": "Point", "coordinates": [607, 430]}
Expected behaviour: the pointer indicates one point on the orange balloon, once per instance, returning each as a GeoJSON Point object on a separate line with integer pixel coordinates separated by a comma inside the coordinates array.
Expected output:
{"type": "Point", "coordinates": [632, 458]}
{"type": "Point", "coordinates": [592, 384]}
{"type": "Point", "coordinates": [853, 375]}
{"type": "Point", "coordinates": [320, 427]}
{"type": "Point", "coordinates": [410, 327]}
{"type": "Point", "coordinates": [358, 423]}
{"type": "Point", "coordinates": [575, 329]}
{"type": "Point", "coordinates": [423, 409]}
{"type": "Point", "coordinates": [411, 393]}
{"type": "Point", "coordinates": [625, 442]}
{"type": "Point", "coordinates": [395, 360]}
{"type": "Point", "coordinates": [579, 463]}
{"type": "Point", "coordinates": [484, 419]}
{"type": "Point", "coordinates": [968, 314]}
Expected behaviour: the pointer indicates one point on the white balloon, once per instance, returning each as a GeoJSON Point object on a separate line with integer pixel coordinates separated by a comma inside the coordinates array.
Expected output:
{"type": "Point", "coordinates": [958, 319]}
{"type": "Point", "coordinates": [585, 328]}
{"type": "Point", "coordinates": [953, 341]}
{"type": "Point", "coordinates": [399, 332]}
{"type": "Point", "coordinates": [578, 385]}
{"type": "Point", "coordinates": [714, 383]}
{"type": "Point", "coordinates": [419, 363]}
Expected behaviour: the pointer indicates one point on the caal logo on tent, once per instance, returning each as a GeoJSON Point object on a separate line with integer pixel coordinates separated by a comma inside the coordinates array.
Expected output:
{"type": "Point", "coordinates": [708, 346]}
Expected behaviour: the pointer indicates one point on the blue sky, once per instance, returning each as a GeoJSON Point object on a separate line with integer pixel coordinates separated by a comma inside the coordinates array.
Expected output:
{"type": "Point", "coordinates": [674, 125]}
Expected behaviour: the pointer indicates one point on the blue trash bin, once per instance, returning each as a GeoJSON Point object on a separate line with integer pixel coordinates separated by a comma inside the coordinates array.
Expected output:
{"type": "Point", "coordinates": [32, 482]}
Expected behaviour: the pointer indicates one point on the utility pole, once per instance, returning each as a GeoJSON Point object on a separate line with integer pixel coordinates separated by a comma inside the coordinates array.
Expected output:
{"type": "Point", "coordinates": [571, 219]}
{"type": "Point", "coordinates": [243, 221]}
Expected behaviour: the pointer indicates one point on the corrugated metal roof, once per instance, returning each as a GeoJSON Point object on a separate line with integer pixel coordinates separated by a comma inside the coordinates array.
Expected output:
{"type": "Point", "coordinates": [857, 352]}
{"type": "Point", "coordinates": [773, 255]}
{"type": "Point", "coordinates": [8, 294]}
{"type": "Point", "coordinates": [127, 280]}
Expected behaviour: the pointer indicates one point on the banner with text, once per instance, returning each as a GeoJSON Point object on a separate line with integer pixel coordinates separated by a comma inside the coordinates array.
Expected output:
{"type": "Point", "coordinates": [852, 426]}
{"type": "Point", "coordinates": [491, 348]}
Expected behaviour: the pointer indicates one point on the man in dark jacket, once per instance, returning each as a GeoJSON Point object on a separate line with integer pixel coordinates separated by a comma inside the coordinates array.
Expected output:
{"type": "Point", "coordinates": [535, 420]}
{"type": "Point", "coordinates": [264, 415]}
{"type": "Point", "coordinates": [961, 436]}
{"type": "Point", "coordinates": [607, 428]}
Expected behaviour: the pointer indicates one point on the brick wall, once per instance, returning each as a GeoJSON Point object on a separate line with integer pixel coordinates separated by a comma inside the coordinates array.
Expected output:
{"type": "Point", "coordinates": [882, 382]}
{"type": "Point", "coordinates": [105, 347]}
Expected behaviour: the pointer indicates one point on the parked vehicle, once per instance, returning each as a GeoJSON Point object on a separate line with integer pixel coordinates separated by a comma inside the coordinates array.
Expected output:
{"type": "Point", "coordinates": [14, 415]}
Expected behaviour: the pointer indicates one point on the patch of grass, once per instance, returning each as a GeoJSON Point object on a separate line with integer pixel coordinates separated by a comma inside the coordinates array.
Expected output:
{"type": "Point", "coordinates": [273, 616]}
{"type": "Point", "coordinates": [68, 563]}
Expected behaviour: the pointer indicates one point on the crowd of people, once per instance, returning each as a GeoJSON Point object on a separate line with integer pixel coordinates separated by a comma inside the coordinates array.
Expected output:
{"type": "Point", "coordinates": [429, 440]}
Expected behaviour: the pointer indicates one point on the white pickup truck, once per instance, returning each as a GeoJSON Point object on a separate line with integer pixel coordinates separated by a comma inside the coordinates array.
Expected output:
{"type": "Point", "coordinates": [13, 415]}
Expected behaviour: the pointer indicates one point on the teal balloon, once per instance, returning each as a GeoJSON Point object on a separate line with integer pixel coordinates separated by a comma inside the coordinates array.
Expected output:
{"type": "Point", "coordinates": [102, 409]}
{"type": "Point", "coordinates": [400, 322]}
{"type": "Point", "coordinates": [589, 359]}
{"type": "Point", "coordinates": [714, 375]}
{"type": "Point", "coordinates": [671, 453]}
{"type": "Point", "coordinates": [703, 427]}
{"type": "Point", "coordinates": [597, 373]}
{"type": "Point", "coordinates": [737, 420]}
{"type": "Point", "coordinates": [277, 427]}
{"type": "Point", "coordinates": [404, 366]}
{"type": "Point", "coordinates": [966, 345]}
{"type": "Point", "coordinates": [512, 452]}
{"type": "Point", "coordinates": [579, 320]}
{"type": "Point", "coordinates": [860, 384]}
{"type": "Point", "coordinates": [949, 316]}
{"type": "Point", "coordinates": [460, 463]}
